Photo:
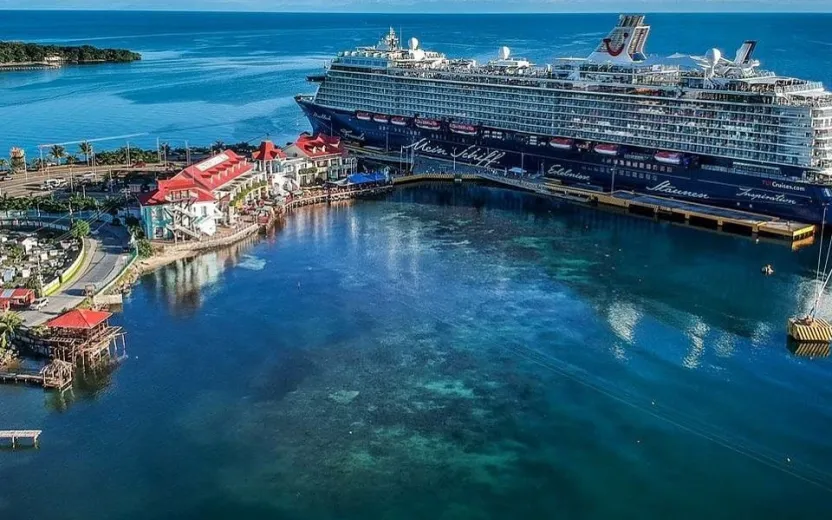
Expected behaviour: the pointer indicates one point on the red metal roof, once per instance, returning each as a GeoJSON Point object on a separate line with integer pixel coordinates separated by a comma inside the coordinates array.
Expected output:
{"type": "Point", "coordinates": [17, 294]}
{"type": "Point", "coordinates": [79, 319]}
{"type": "Point", "coordinates": [268, 152]}
{"type": "Point", "coordinates": [201, 178]}
{"type": "Point", "coordinates": [319, 145]}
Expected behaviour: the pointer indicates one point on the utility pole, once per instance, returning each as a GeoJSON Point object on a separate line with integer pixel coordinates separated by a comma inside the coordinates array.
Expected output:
{"type": "Point", "coordinates": [128, 154]}
{"type": "Point", "coordinates": [158, 152]}
{"type": "Point", "coordinates": [187, 153]}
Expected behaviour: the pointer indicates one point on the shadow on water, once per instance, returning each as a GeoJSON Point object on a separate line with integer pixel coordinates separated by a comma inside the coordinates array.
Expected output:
{"type": "Point", "coordinates": [284, 374]}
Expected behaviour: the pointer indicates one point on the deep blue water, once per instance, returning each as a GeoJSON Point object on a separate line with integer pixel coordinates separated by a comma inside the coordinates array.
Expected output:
{"type": "Point", "coordinates": [446, 352]}
{"type": "Point", "coordinates": [231, 76]}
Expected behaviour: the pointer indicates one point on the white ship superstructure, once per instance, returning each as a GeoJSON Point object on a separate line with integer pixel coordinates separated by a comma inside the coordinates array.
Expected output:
{"type": "Point", "coordinates": [718, 107]}
{"type": "Point", "coordinates": [695, 127]}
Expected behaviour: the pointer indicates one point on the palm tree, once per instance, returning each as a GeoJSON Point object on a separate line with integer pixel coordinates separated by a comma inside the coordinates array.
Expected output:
{"type": "Point", "coordinates": [10, 323]}
{"type": "Point", "coordinates": [218, 146]}
{"type": "Point", "coordinates": [58, 152]}
{"type": "Point", "coordinates": [86, 150]}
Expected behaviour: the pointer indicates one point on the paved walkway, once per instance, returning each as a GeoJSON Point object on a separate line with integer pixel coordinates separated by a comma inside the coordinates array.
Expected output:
{"type": "Point", "coordinates": [105, 260]}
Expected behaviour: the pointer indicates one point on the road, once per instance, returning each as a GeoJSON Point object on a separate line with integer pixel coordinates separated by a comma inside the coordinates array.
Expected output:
{"type": "Point", "coordinates": [30, 184]}
{"type": "Point", "coordinates": [105, 260]}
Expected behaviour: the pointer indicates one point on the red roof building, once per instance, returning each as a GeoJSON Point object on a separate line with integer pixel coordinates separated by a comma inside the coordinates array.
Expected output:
{"type": "Point", "coordinates": [268, 152]}
{"type": "Point", "coordinates": [79, 319]}
{"type": "Point", "coordinates": [319, 146]}
{"type": "Point", "coordinates": [191, 203]}
{"type": "Point", "coordinates": [199, 182]}
{"type": "Point", "coordinates": [16, 298]}
{"type": "Point", "coordinates": [327, 157]}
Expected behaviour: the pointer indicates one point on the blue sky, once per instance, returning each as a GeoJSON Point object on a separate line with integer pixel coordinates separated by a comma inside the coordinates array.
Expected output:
{"type": "Point", "coordinates": [433, 5]}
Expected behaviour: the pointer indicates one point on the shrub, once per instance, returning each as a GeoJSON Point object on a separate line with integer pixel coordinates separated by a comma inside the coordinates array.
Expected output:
{"type": "Point", "coordinates": [145, 248]}
{"type": "Point", "coordinates": [80, 229]}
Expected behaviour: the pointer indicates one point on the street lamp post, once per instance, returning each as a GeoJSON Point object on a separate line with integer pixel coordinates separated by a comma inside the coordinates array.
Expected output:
{"type": "Point", "coordinates": [612, 186]}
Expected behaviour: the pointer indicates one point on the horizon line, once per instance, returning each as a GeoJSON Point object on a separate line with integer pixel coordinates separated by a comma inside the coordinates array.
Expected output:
{"type": "Point", "coordinates": [255, 11]}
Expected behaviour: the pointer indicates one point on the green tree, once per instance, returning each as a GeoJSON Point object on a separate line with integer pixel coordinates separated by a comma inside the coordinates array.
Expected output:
{"type": "Point", "coordinates": [10, 323]}
{"type": "Point", "coordinates": [3, 163]}
{"type": "Point", "coordinates": [58, 152]}
{"type": "Point", "coordinates": [144, 247]}
{"type": "Point", "coordinates": [86, 150]}
{"type": "Point", "coordinates": [35, 283]}
{"type": "Point", "coordinates": [18, 164]}
{"type": "Point", "coordinates": [80, 229]}
{"type": "Point", "coordinates": [218, 146]}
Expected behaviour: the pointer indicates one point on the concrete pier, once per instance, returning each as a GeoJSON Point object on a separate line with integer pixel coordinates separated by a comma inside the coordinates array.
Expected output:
{"type": "Point", "coordinates": [29, 438]}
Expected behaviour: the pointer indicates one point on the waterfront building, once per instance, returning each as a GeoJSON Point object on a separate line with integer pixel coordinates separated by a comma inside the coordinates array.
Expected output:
{"type": "Point", "coordinates": [325, 158]}
{"type": "Point", "coordinates": [280, 170]}
{"type": "Point", "coordinates": [191, 204]}
{"type": "Point", "coordinates": [712, 129]}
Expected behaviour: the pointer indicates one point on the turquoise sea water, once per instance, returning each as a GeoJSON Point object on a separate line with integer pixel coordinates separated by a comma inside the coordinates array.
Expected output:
{"type": "Point", "coordinates": [450, 352]}
{"type": "Point", "coordinates": [231, 76]}
{"type": "Point", "coordinates": [447, 352]}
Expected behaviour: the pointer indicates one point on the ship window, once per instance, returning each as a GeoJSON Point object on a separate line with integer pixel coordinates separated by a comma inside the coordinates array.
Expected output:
{"type": "Point", "coordinates": [641, 165]}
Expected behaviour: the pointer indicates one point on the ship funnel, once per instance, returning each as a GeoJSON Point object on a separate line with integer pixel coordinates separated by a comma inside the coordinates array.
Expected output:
{"type": "Point", "coordinates": [413, 44]}
{"type": "Point", "coordinates": [505, 52]}
{"type": "Point", "coordinates": [625, 43]}
{"type": "Point", "coordinates": [744, 52]}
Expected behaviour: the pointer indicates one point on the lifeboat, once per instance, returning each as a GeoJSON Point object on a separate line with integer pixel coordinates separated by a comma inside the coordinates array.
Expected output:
{"type": "Point", "coordinates": [398, 121]}
{"type": "Point", "coordinates": [364, 116]}
{"type": "Point", "coordinates": [561, 143]}
{"type": "Point", "coordinates": [606, 149]}
{"type": "Point", "coordinates": [427, 124]}
{"type": "Point", "coordinates": [380, 118]}
{"type": "Point", "coordinates": [459, 128]}
{"type": "Point", "coordinates": [668, 157]}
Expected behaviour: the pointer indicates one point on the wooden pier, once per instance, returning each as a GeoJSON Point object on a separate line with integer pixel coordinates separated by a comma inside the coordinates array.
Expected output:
{"type": "Point", "coordinates": [335, 196]}
{"type": "Point", "coordinates": [31, 438]}
{"type": "Point", "coordinates": [798, 234]}
{"type": "Point", "coordinates": [57, 375]}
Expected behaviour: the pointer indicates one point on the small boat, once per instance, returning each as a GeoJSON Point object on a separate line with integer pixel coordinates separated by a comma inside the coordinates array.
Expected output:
{"type": "Point", "coordinates": [380, 118]}
{"type": "Point", "coordinates": [767, 270]}
{"type": "Point", "coordinates": [364, 116]}
{"type": "Point", "coordinates": [399, 121]}
{"type": "Point", "coordinates": [606, 149]}
{"type": "Point", "coordinates": [427, 124]}
{"type": "Point", "coordinates": [460, 128]}
{"type": "Point", "coordinates": [561, 143]}
{"type": "Point", "coordinates": [668, 157]}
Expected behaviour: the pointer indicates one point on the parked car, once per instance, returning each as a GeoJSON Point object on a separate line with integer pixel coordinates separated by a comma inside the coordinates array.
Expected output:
{"type": "Point", "coordinates": [38, 304]}
{"type": "Point", "coordinates": [6, 177]}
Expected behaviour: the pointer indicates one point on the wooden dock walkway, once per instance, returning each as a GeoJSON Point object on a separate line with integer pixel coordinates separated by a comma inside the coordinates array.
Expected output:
{"type": "Point", "coordinates": [798, 234]}
{"type": "Point", "coordinates": [57, 375]}
{"type": "Point", "coordinates": [31, 437]}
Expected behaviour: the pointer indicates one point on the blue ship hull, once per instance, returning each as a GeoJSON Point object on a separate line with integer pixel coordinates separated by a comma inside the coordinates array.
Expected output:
{"type": "Point", "coordinates": [697, 179]}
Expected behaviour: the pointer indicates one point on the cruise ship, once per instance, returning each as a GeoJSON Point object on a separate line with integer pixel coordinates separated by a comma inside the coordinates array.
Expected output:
{"type": "Point", "coordinates": [710, 129]}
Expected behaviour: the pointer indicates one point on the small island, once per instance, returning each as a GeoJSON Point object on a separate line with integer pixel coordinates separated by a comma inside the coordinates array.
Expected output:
{"type": "Point", "coordinates": [21, 56]}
